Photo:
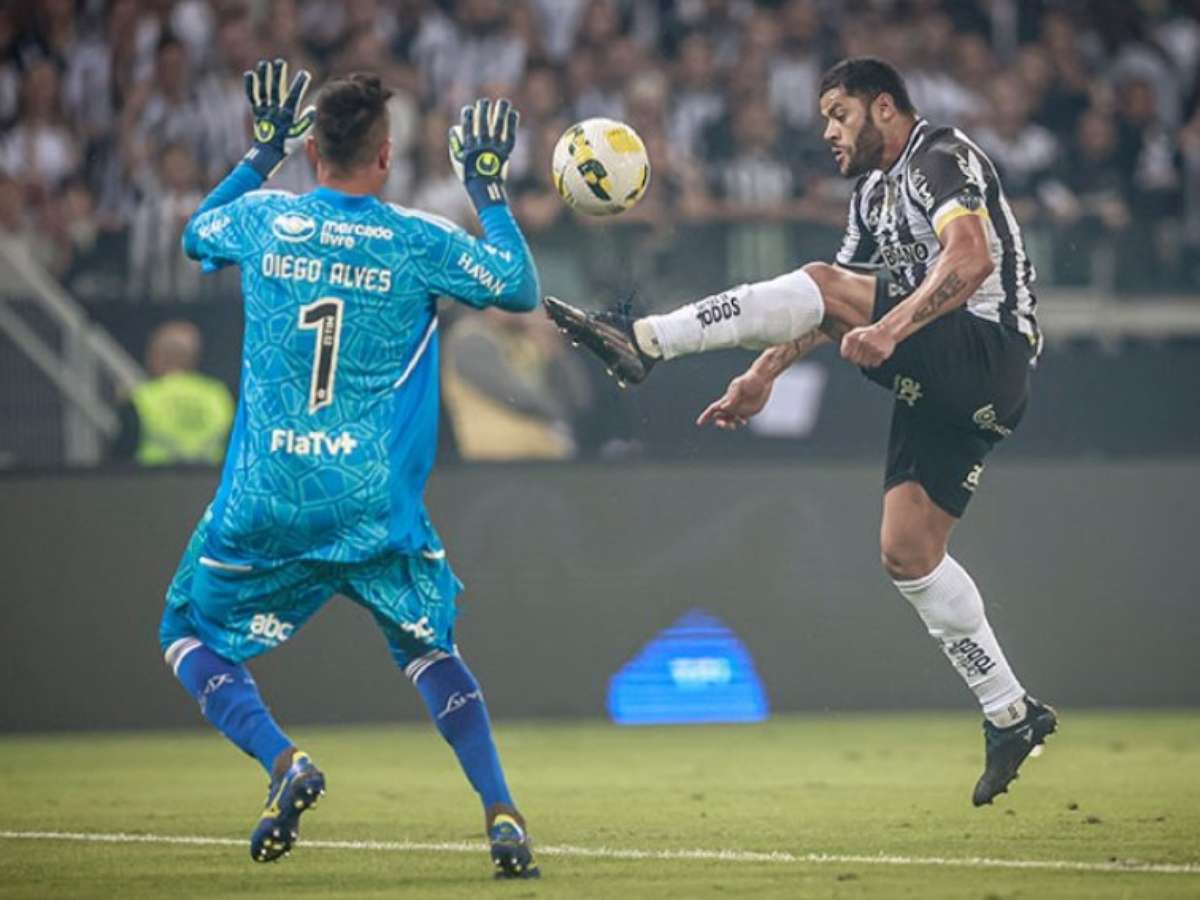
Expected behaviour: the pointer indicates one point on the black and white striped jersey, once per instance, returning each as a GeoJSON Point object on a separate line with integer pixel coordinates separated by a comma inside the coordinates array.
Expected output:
{"type": "Point", "coordinates": [897, 215]}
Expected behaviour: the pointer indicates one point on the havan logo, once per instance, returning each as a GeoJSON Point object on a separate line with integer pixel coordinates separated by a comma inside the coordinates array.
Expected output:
{"type": "Point", "coordinates": [480, 273]}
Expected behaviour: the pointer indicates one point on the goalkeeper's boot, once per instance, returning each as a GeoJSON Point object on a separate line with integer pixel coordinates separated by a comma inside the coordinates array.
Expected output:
{"type": "Point", "coordinates": [289, 795]}
{"type": "Point", "coordinates": [1008, 747]}
{"type": "Point", "coordinates": [608, 335]}
{"type": "Point", "coordinates": [512, 850]}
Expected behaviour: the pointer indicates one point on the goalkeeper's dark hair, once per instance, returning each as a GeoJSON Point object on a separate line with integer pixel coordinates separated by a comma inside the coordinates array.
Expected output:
{"type": "Point", "coordinates": [866, 78]}
{"type": "Point", "coordinates": [352, 121]}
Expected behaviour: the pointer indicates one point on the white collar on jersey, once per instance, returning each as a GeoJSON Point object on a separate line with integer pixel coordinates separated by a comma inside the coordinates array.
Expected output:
{"type": "Point", "coordinates": [914, 137]}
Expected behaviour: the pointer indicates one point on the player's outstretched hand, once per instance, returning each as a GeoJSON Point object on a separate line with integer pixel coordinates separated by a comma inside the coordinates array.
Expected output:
{"type": "Point", "coordinates": [745, 397]}
{"type": "Point", "coordinates": [480, 146]}
{"type": "Point", "coordinates": [870, 346]}
{"type": "Point", "coordinates": [278, 129]}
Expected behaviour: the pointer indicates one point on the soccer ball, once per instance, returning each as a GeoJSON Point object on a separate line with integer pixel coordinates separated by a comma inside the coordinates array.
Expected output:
{"type": "Point", "coordinates": [600, 167]}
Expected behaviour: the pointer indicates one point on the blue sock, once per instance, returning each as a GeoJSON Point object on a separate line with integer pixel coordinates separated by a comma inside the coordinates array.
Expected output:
{"type": "Point", "coordinates": [455, 702]}
{"type": "Point", "coordinates": [229, 699]}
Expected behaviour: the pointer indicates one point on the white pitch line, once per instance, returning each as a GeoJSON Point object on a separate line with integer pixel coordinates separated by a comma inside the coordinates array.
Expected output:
{"type": "Point", "coordinates": [736, 856]}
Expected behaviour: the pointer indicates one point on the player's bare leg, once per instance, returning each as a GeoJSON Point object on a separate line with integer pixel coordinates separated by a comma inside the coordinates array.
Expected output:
{"type": "Point", "coordinates": [914, 539]}
{"type": "Point", "coordinates": [914, 533]}
{"type": "Point", "coordinates": [750, 316]}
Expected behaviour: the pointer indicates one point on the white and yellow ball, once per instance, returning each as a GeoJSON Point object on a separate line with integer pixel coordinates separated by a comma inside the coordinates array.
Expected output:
{"type": "Point", "coordinates": [600, 167]}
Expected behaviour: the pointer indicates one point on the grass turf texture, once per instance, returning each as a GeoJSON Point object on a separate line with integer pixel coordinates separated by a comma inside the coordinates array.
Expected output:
{"type": "Point", "coordinates": [1110, 786]}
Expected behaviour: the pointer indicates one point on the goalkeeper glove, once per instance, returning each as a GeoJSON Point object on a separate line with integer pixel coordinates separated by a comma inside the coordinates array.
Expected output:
{"type": "Point", "coordinates": [480, 147]}
{"type": "Point", "coordinates": [277, 128]}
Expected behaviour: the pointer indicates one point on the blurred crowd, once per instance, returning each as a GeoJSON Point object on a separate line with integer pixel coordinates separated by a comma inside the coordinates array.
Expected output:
{"type": "Point", "coordinates": [117, 115]}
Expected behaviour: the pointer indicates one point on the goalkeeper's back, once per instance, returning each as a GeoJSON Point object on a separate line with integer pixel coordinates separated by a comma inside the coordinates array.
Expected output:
{"type": "Point", "coordinates": [336, 425]}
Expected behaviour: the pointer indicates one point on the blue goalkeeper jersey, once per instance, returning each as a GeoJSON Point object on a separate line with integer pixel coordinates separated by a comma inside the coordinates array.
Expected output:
{"type": "Point", "coordinates": [336, 424]}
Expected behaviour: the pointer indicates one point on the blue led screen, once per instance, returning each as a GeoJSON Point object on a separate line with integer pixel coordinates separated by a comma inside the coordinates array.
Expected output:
{"type": "Point", "coordinates": [696, 671]}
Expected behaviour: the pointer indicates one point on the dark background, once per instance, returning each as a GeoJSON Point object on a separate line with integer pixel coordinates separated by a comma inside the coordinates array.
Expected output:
{"type": "Point", "coordinates": [1087, 568]}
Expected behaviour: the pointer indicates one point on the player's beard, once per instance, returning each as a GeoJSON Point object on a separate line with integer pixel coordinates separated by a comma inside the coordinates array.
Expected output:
{"type": "Point", "coordinates": [868, 150]}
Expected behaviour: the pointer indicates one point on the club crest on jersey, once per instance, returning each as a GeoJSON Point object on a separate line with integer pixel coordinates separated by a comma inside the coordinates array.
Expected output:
{"type": "Point", "coordinates": [970, 200]}
{"type": "Point", "coordinates": [293, 227]}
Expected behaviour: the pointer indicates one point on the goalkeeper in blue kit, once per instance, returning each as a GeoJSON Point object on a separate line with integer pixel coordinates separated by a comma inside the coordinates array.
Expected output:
{"type": "Point", "coordinates": [336, 428]}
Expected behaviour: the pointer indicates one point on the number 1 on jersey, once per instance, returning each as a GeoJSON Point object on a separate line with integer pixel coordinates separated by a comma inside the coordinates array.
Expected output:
{"type": "Point", "coordinates": [325, 318]}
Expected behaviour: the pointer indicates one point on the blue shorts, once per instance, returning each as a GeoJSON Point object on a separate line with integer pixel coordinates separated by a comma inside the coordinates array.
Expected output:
{"type": "Point", "coordinates": [239, 611]}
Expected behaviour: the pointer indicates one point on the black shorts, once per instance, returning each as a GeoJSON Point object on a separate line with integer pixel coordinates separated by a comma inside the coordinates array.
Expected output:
{"type": "Point", "coordinates": [961, 386]}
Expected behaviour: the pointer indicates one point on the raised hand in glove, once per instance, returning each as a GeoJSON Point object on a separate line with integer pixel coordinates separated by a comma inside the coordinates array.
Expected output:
{"type": "Point", "coordinates": [278, 130]}
{"type": "Point", "coordinates": [480, 147]}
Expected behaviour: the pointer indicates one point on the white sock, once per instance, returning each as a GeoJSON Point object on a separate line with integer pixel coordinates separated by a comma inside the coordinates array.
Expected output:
{"type": "Point", "coordinates": [751, 316]}
{"type": "Point", "coordinates": [949, 603]}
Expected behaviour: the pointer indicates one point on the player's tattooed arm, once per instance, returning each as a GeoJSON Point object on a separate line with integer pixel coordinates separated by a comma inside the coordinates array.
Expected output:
{"type": "Point", "coordinates": [773, 362]}
{"type": "Point", "coordinates": [948, 290]}
{"type": "Point", "coordinates": [748, 393]}
{"type": "Point", "coordinates": [964, 264]}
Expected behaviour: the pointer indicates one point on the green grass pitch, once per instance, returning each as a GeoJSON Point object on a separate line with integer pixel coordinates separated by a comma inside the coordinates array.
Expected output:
{"type": "Point", "coordinates": [1109, 788]}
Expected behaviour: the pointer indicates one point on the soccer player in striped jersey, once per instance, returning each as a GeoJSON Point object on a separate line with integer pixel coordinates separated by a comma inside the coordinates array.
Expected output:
{"type": "Point", "coordinates": [322, 490]}
{"type": "Point", "coordinates": [931, 295]}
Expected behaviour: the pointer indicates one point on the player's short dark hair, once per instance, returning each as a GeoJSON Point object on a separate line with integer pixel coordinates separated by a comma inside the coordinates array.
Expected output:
{"type": "Point", "coordinates": [866, 77]}
{"type": "Point", "coordinates": [352, 120]}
